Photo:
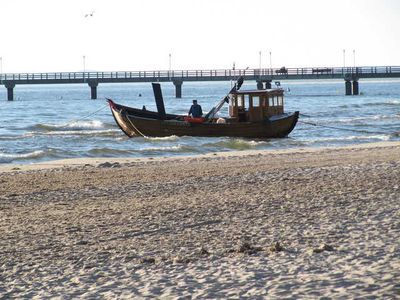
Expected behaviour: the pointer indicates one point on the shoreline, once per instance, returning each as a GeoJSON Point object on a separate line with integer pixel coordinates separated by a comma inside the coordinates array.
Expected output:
{"type": "Point", "coordinates": [79, 162]}
{"type": "Point", "coordinates": [300, 223]}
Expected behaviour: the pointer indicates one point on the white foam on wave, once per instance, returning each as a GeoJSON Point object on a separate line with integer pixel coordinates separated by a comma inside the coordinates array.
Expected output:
{"type": "Point", "coordinates": [164, 138]}
{"type": "Point", "coordinates": [9, 137]}
{"type": "Point", "coordinates": [396, 101]}
{"type": "Point", "coordinates": [253, 143]}
{"type": "Point", "coordinates": [74, 132]}
{"type": "Point", "coordinates": [365, 118]}
{"type": "Point", "coordinates": [74, 125]}
{"type": "Point", "coordinates": [92, 124]}
{"type": "Point", "coordinates": [12, 156]}
{"type": "Point", "coordinates": [381, 137]}
{"type": "Point", "coordinates": [165, 148]}
{"type": "Point", "coordinates": [237, 144]}
{"type": "Point", "coordinates": [393, 102]}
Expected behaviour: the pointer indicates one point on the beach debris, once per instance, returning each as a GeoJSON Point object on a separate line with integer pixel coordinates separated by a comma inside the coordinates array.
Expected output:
{"type": "Point", "coordinates": [147, 260]}
{"type": "Point", "coordinates": [204, 251]}
{"type": "Point", "coordinates": [107, 164]}
{"type": "Point", "coordinates": [89, 266]}
{"type": "Point", "coordinates": [247, 248]}
{"type": "Point", "coordinates": [276, 247]}
{"type": "Point", "coordinates": [82, 242]}
{"type": "Point", "coordinates": [72, 229]}
{"type": "Point", "coordinates": [13, 195]}
{"type": "Point", "coordinates": [322, 248]}
{"type": "Point", "coordinates": [181, 260]}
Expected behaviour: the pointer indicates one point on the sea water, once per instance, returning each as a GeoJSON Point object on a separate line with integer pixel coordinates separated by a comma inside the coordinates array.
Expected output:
{"type": "Point", "coordinates": [49, 122]}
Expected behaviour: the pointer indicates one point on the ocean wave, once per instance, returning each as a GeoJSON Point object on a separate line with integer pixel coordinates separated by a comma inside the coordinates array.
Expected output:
{"type": "Point", "coordinates": [78, 125]}
{"type": "Point", "coordinates": [165, 138]}
{"type": "Point", "coordinates": [395, 134]}
{"type": "Point", "coordinates": [381, 137]}
{"type": "Point", "coordinates": [237, 144]}
{"type": "Point", "coordinates": [75, 125]}
{"type": "Point", "coordinates": [392, 102]}
{"type": "Point", "coordinates": [94, 133]}
{"type": "Point", "coordinates": [351, 105]}
{"type": "Point", "coordinates": [10, 157]}
{"type": "Point", "coordinates": [108, 152]}
{"type": "Point", "coordinates": [312, 95]}
{"type": "Point", "coordinates": [175, 148]}
{"type": "Point", "coordinates": [358, 120]}
{"type": "Point", "coordinates": [9, 137]}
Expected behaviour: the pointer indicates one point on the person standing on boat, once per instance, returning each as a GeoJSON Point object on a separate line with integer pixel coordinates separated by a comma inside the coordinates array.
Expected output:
{"type": "Point", "coordinates": [195, 110]}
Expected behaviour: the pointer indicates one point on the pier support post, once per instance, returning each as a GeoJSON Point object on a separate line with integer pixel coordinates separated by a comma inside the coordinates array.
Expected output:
{"type": "Point", "coordinates": [355, 88]}
{"type": "Point", "coordinates": [178, 88]}
{"type": "Point", "coordinates": [348, 87]}
{"type": "Point", "coordinates": [10, 89]}
{"type": "Point", "coordinates": [93, 89]}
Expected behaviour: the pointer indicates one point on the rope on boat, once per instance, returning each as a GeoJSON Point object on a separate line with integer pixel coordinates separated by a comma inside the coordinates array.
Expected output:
{"type": "Point", "coordinates": [85, 117]}
{"type": "Point", "coordinates": [134, 127]}
{"type": "Point", "coordinates": [347, 129]}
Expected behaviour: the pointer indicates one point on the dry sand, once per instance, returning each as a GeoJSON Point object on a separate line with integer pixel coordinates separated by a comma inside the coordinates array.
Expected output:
{"type": "Point", "coordinates": [305, 223]}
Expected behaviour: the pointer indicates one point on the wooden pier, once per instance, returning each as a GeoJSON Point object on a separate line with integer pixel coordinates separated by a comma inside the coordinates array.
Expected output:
{"type": "Point", "coordinates": [263, 77]}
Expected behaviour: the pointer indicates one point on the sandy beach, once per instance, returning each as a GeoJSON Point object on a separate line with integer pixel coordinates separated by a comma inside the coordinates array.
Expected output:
{"type": "Point", "coordinates": [293, 224]}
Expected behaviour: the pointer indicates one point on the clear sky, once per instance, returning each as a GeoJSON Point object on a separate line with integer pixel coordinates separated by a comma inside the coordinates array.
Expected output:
{"type": "Point", "coordinates": [133, 35]}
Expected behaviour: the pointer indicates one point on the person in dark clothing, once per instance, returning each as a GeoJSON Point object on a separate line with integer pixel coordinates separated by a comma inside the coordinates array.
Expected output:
{"type": "Point", "coordinates": [195, 110]}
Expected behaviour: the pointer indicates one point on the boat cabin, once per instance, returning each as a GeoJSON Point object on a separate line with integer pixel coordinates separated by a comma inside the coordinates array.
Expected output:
{"type": "Point", "coordinates": [255, 105]}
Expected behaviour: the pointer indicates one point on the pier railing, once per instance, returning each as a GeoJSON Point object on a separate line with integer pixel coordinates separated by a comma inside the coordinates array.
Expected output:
{"type": "Point", "coordinates": [201, 75]}
{"type": "Point", "coordinates": [264, 77]}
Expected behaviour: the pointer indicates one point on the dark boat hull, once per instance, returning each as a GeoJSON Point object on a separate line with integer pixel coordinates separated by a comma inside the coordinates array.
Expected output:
{"type": "Point", "coordinates": [135, 122]}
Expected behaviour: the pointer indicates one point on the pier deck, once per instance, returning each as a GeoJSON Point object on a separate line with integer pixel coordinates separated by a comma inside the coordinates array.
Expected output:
{"type": "Point", "coordinates": [263, 77]}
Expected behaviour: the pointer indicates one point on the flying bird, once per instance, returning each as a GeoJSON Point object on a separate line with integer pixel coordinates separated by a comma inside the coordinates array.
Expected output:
{"type": "Point", "coordinates": [89, 15]}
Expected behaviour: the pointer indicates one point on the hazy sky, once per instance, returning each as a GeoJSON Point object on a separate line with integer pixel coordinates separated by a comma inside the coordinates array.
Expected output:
{"type": "Point", "coordinates": [54, 35]}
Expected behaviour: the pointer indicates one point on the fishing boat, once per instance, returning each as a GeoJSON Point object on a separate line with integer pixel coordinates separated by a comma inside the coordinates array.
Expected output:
{"type": "Point", "coordinates": [252, 114]}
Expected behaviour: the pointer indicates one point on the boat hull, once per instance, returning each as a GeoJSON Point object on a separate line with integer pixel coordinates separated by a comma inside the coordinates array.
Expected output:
{"type": "Point", "coordinates": [146, 123]}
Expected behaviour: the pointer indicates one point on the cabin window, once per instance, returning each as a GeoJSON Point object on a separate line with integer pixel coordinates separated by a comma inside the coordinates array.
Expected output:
{"type": "Point", "coordinates": [240, 100]}
{"type": "Point", "coordinates": [256, 101]}
{"type": "Point", "coordinates": [246, 101]}
{"type": "Point", "coordinates": [280, 101]}
{"type": "Point", "coordinates": [272, 101]}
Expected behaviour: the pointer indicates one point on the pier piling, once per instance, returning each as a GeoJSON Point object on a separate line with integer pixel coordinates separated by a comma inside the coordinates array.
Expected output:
{"type": "Point", "coordinates": [93, 89]}
{"type": "Point", "coordinates": [348, 87]}
{"type": "Point", "coordinates": [178, 88]}
{"type": "Point", "coordinates": [351, 86]}
{"type": "Point", "coordinates": [355, 87]}
{"type": "Point", "coordinates": [10, 89]}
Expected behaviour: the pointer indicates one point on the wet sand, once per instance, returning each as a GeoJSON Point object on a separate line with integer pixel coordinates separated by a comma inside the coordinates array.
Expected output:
{"type": "Point", "coordinates": [302, 223]}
